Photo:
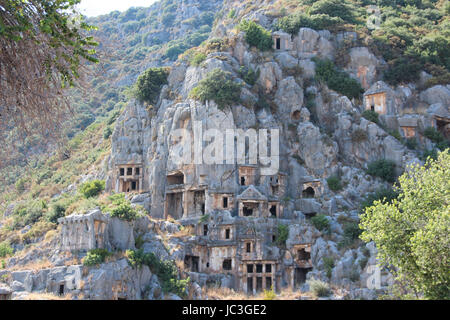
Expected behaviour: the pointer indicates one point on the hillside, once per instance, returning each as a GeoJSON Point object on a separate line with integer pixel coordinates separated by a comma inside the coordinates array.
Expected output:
{"type": "Point", "coordinates": [358, 90]}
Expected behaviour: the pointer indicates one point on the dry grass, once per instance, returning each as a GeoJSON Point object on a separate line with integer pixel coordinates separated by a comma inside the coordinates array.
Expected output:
{"type": "Point", "coordinates": [184, 232]}
{"type": "Point", "coordinates": [229, 294]}
{"type": "Point", "coordinates": [46, 296]}
{"type": "Point", "coordinates": [33, 266]}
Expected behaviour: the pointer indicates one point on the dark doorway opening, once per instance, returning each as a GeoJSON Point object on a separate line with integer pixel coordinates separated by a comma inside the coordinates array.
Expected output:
{"type": "Point", "coordinates": [259, 284]}
{"type": "Point", "coordinates": [191, 263]}
{"type": "Point", "coordinates": [309, 193]}
{"type": "Point", "coordinates": [273, 211]}
{"type": "Point", "coordinates": [250, 285]}
{"type": "Point", "coordinates": [242, 181]}
{"type": "Point", "coordinates": [226, 264]}
{"type": "Point", "coordinates": [225, 202]}
{"type": "Point", "coordinates": [248, 212]}
{"type": "Point", "coordinates": [300, 276]}
{"type": "Point", "coordinates": [268, 283]}
{"type": "Point", "coordinates": [278, 43]}
{"type": "Point", "coordinates": [61, 289]}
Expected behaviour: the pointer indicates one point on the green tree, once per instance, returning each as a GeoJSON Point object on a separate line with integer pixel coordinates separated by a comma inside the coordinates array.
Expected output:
{"type": "Point", "coordinates": [256, 36]}
{"type": "Point", "coordinates": [219, 87]}
{"type": "Point", "coordinates": [411, 232]}
{"type": "Point", "coordinates": [149, 84]}
{"type": "Point", "coordinates": [92, 188]}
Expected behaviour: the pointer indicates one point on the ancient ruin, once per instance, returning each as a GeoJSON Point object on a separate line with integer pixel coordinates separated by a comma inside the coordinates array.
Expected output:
{"type": "Point", "coordinates": [84, 232]}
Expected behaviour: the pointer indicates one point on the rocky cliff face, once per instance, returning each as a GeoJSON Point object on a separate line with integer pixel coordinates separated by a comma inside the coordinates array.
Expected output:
{"type": "Point", "coordinates": [235, 214]}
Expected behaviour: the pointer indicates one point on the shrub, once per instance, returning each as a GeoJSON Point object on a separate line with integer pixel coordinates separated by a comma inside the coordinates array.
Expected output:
{"type": "Point", "coordinates": [219, 87]}
{"type": "Point", "coordinates": [57, 210]}
{"type": "Point", "coordinates": [411, 143]}
{"type": "Point", "coordinates": [148, 85]}
{"type": "Point", "coordinates": [433, 154]}
{"type": "Point", "coordinates": [352, 231]}
{"type": "Point", "coordinates": [328, 263]}
{"type": "Point", "coordinates": [396, 134]}
{"type": "Point", "coordinates": [92, 189]}
{"type": "Point", "coordinates": [294, 22]}
{"type": "Point", "coordinates": [337, 80]}
{"type": "Point", "coordinates": [269, 294]}
{"type": "Point", "coordinates": [256, 36]}
{"type": "Point", "coordinates": [320, 222]}
{"type": "Point", "coordinates": [340, 9]}
{"type": "Point", "coordinates": [384, 169]}
{"type": "Point", "coordinates": [359, 135]}
{"type": "Point", "coordinates": [384, 194]}
{"type": "Point", "coordinates": [319, 288]}
{"type": "Point", "coordinates": [434, 135]}
{"type": "Point", "coordinates": [334, 183]}
{"type": "Point", "coordinates": [20, 185]}
{"type": "Point", "coordinates": [249, 75]}
{"type": "Point", "coordinates": [402, 70]}
{"type": "Point", "coordinates": [5, 249]}
{"type": "Point", "coordinates": [28, 213]}
{"type": "Point", "coordinates": [371, 116]}
{"type": "Point", "coordinates": [107, 132]}
{"type": "Point", "coordinates": [282, 234]}
{"type": "Point", "coordinates": [124, 211]}
{"type": "Point", "coordinates": [95, 257]}
{"type": "Point", "coordinates": [363, 262]}
{"type": "Point", "coordinates": [197, 59]}
{"type": "Point", "coordinates": [166, 271]}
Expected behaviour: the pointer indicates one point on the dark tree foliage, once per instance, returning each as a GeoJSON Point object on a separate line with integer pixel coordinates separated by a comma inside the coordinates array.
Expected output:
{"type": "Point", "coordinates": [218, 86]}
{"type": "Point", "coordinates": [149, 84]}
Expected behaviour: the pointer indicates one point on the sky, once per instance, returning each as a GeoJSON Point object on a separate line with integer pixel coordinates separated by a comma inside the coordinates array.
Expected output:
{"type": "Point", "coordinates": [92, 8]}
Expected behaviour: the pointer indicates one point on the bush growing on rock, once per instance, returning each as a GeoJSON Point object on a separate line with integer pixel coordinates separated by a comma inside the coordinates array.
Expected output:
{"type": "Point", "coordinates": [5, 249]}
{"type": "Point", "coordinates": [197, 58]}
{"type": "Point", "coordinates": [218, 86]}
{"type": "Point", "coordinates": [28, 213]}
{"type": "Point", "coordinates": [320, 222]}
{"type": "Point", "coordinates": [92, 189]}
{"type": "Point", "coordinates": [411, 143]}
{"type": "Point", "coordinates": [359, 135]}
{"type": "Point", "coordinates": [124, 211]}
{"type": "Point", "coordinates": [256, 36]}
{"type": "Point", "coordinates": [95, 257]}
{"type": "Point", "coordinates": [328, 263]}
{"type": "Point", "coordinates": [384, 169]}
{"type": "Point", "coordinates": [148, 85]}
{"type": "Point", "coordinates": [249, 75]}
{"type": "Point", "coordinates": [292, 23]}
{"type": "Point", "coordinates": [282, 234]}
{"type": "Point", "coordinates": [57, 210]}
{"type": "Point", "coordinates": [383, 194]}
{"type": "Point", "coordinates": [371, 116]}
{"type": "Point", "coordinates": [319, 288]}
{"type": "Point", "coordinates": [166, 271]}
{"type": "Point", "coordinates": [337, 80]}
{"type": "Point", "coordinates": [436, 137]}
{"type": "Point", "coordinates": [334, 183]}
